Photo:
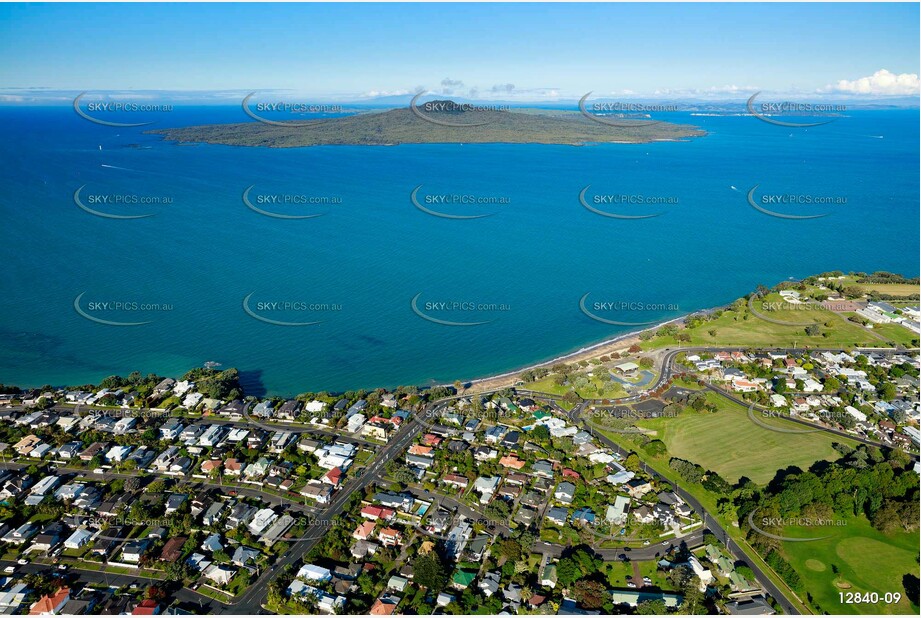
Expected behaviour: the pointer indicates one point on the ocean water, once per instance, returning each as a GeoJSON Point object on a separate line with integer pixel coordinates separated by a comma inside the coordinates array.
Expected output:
{"type": "Point", "coordinates": [356, 269]}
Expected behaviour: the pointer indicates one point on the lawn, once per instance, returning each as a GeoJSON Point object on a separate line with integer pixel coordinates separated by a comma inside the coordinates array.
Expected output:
{"type": "Point", "coordinates": [742, 448]}
{"type": "Point", "coordinates": [617, 572]}
{"type": "Point", "coordinates": [602, 388]}
{"type": "Point", "coordinates": [708, 501]}
{"type": "Point", "coordinates": [897, 333]}
{"type": "Point", "coordinates": [865, 560]}
{"type": "Point", "coordinates": [895, 289]}
{"type": "Point", "coordinates": [742, 328]}
{"type": "Point", "coordinates": [563, 536]}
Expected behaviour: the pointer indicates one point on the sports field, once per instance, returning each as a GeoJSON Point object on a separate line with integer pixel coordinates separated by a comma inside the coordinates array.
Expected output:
{"type": "Point", "coordinates": [856, 558]}
{"type": "Point", "coordinates": [730, 443]}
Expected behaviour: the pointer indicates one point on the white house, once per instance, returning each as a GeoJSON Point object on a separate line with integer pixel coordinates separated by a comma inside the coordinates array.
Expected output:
{"type": "Point", "coordinates": [314, 573]}
{"type": "Point", "coordinates": [78, 539]}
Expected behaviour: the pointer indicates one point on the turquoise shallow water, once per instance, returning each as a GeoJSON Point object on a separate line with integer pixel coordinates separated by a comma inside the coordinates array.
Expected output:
{"type": "Point", "coordinates": [367, 257]}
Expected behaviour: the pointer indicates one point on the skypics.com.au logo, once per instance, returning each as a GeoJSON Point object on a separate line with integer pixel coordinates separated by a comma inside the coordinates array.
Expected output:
{"type": "Point", "coordinates": [437, 311]}
{"type": "Point", "coordinates": [286, 113]}
{"type": "Point", "coordinates": [287, 308]}
{"type": "Point", "coordinates": [617, 113]}
{"type": "Point", "coordinates": [769, 112]}
{"type": "Point", "coordinates": [605, 311]}
{"type": "Point", "coordinates": [111, 110]}
{"type": "Point", "coordinates": [102, 311]}
{"type": "Point", "coordinates": [450, 114]}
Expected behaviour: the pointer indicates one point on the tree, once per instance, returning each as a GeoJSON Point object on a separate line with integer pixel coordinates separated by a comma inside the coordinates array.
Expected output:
{"type": "Point", "coordinates": [887, 391]}
{"type": "Point", "coordinates": [655, 447]}
{"type": "Point", "coordinates": [428, 572]}
{"type": "Point", "coordinates": [813, 330]}
{"type": "Point", "coordinates": [693, 599]}
{"type": "Point", "coordinates": [510, 548]}
{"type": "Point", "coordinates": [404, 475]}
{"type": "Point", "coordinates": [156, 593]}
{"type": "Point", "coordinates": [589, 593]}
{"type": "Point", "coordinates": [656, 606]}
{"type": "Point", "coordinates": [746, 571]}
{"type": "Point", "coordinates": [717, 484]}
{"type": "Point", "coordinates": [679, 577]}
{"type": "Point", "coordinates": [633, 463]}
{"type": "Point", "coordinates": [567, 571]}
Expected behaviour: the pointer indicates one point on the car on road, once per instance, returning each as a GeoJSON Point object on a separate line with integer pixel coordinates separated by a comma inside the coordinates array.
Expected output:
{"type": "Point", "coordinates": [10, 569]}
{"type": "Point", "coordinates": [62, 567]}
{"type": "Point", "coordinates": [664, 542]}
{"type": "Point", "coordinates": [631, 585]}
{"type": "Point", "coordinates": [645, 543]}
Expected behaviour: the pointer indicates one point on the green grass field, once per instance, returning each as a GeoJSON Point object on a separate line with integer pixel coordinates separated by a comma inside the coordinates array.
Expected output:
{"type": "Point", "coordinates": [865, 560]}
{"type": "Point", "coordinates": [708, 500]}
{"type": "Point", "coordinates": [603, 388]}
{"type": "Point", "coordinates": [742, 328]}
{"type": "Point", "coordinates": [895, 289]}
{"type": "Point", "coordinates": [616, 573]}
{"type": "Point", "coordinates": [897, 333]}
{"type": "Point", "coordinates": [728, 442]}
{"type": "Point", "coordinates": [564, 536]}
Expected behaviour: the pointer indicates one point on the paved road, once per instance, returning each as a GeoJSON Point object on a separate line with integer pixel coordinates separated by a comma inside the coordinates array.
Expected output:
{"type": "Point", "coordinates": [252, 600]}
{"type": "Point", "coordinates": [192, 482]}
{"type": "Point", "coordinates": [94, 576]}
{"type": "Point", "coordinates": [254, 597]}
{"type": "Point", "coordinates": [713, 526]}
{"type": "Point", "coordinates": [800, 421]}
{"type": "Point", "coordinates": [653, 551]}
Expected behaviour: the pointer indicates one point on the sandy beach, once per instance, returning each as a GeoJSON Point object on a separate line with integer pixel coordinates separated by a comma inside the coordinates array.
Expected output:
{"type": "Point", "coordinates": [619, 344]}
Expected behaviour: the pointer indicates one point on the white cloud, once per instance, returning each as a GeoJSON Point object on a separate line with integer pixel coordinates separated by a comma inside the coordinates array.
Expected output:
{"type": "Point", "coordinates": [728, 89]}
{"type": "Point", "coordinates": [880, 83]}
{"type": "Point", "coordinates": [389, 93]}
{"type": "Point", "coordinates": [503, 88]}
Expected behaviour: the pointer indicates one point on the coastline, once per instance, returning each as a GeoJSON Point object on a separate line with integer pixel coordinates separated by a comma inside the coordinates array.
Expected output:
{"type": "Point", "coordinates": [602, 348]}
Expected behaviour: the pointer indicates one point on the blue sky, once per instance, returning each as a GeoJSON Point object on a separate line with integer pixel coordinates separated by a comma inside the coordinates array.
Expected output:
{"type": "Point", "coordinates": [524, 51]}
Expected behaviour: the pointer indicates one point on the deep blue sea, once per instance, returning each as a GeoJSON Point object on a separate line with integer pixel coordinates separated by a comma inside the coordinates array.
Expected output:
{"type": "Point", "coordinates": [522, 270]}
